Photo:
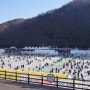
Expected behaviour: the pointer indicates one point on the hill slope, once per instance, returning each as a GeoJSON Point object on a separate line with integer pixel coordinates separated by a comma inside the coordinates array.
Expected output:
{"type": "Point", "coordinates": [69, 24]}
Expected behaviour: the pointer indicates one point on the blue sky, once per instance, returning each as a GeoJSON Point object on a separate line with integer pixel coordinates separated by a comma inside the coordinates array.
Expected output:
{"type": "Point", "coordinates": [12, 9]}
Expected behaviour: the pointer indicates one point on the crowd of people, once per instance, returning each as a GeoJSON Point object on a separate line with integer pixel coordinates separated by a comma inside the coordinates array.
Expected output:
{"type": "Point", "coordinates": [78, 68]}
{"type": "Point", "coordinates": [19, 62]}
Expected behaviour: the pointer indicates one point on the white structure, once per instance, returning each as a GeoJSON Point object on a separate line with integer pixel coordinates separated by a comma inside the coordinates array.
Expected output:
{"type": "Point", "coordinates": [36, 48]}
{"type": "Point", "coordinates": [39, 51]}
{"type": "Point", "coordinates": [80, 52]}
{"type": "Point", "coordinates": [45, 52]}
{"type": "Point", "coordinates": [2, 51]}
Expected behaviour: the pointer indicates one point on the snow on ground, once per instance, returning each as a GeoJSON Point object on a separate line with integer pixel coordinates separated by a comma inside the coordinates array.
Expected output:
{"type": "Point", "coordinates": [78, 68]}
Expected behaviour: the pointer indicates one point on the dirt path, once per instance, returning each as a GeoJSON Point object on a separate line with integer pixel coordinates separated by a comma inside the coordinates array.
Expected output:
{"type": "Point", "coordinates": [10, 85]}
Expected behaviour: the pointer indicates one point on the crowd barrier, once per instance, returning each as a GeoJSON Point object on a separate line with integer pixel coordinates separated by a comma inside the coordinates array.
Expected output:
{"type": "Point", "coordinates": [20, 73]}
{"type": "Point", "coordinates": [43, 78]}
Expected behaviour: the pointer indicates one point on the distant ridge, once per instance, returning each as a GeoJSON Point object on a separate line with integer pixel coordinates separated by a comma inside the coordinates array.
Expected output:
{"type": "Point", "coordinates": [67, 26]}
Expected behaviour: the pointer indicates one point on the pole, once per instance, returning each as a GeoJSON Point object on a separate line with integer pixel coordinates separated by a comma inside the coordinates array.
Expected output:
{"type": "Point", "coordinates": [42, 80]}
{"type": "Point", "coordinates": [16, 76]}
{"type": "Point", "coordinates": [5, 74]}
{"type": "Point", "coordinates": [28, 77]}
{"type": "Point", "coordinates": [73, 84]}
{"type": "Point", "coordinates": [57, 80]}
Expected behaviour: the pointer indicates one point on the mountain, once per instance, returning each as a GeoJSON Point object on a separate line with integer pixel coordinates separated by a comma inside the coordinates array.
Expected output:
{"type": "Point", "coordinates": [67, 26]}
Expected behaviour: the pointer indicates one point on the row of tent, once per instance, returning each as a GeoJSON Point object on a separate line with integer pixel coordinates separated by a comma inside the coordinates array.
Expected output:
{"type": "Point", "coordinates": [41, 52]}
